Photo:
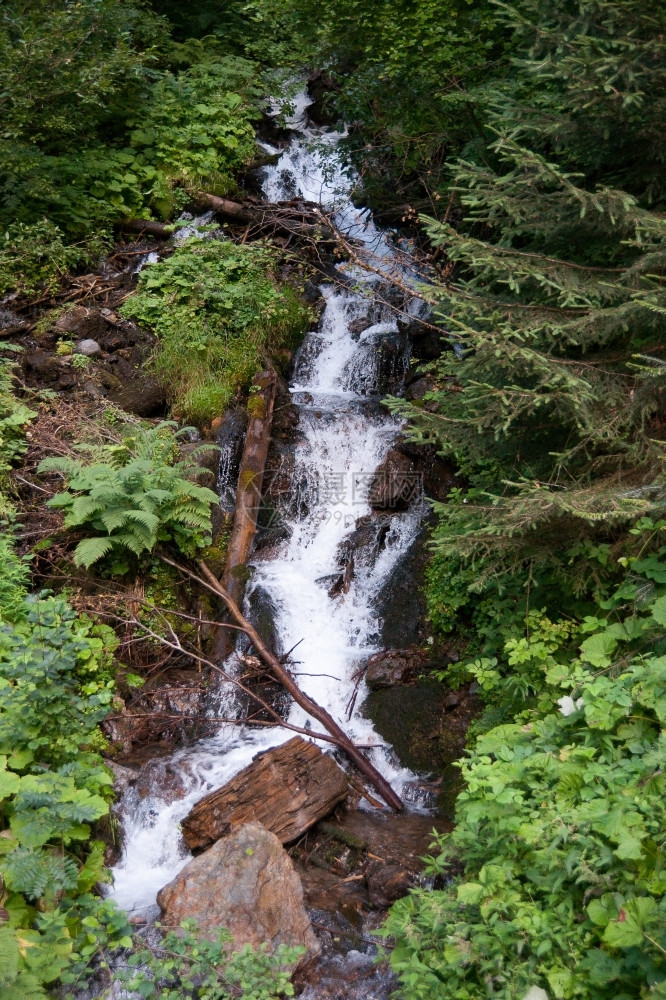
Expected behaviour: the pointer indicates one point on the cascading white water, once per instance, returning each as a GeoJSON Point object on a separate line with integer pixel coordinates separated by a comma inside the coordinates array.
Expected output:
{"type": "Point", "coordinates": [344, 437]}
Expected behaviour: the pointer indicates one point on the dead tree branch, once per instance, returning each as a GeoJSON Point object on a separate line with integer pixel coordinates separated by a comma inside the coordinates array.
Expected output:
{"type": "Point", "coordinates": [210, 581]}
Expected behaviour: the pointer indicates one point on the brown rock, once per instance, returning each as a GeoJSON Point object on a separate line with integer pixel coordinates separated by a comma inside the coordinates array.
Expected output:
{"type": "Point", "coordinates": [386, 883]}
{"type": "Point", "coordinates": [44, 366]}
{"type": "Point", "coordinates": [287, 789]}
{"type": "Point", "coordinates": [83, 322]}
{"type": "Point", "coordinates": [395, 484]}
{"type": "Point", "coordinates": [246, 882]}
{"type": "Point", "coordinates": [394, 666]}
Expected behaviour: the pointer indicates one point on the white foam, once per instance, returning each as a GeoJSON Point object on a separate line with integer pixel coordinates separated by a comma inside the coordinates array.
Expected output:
{"type": "Point", "coordinates": [342, 442]}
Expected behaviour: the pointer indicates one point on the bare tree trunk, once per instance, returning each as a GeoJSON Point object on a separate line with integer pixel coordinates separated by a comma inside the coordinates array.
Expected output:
{"type": "Point", "coordinates": [248, 495]}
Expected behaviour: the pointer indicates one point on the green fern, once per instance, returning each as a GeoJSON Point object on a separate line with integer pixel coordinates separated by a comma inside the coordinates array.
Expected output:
{"type": "Point", "coordinates": [38, 873]}
{"type": "Point", "coordinates": [132, 495]}
{"type": "Point", "coordinates": [9, 958]}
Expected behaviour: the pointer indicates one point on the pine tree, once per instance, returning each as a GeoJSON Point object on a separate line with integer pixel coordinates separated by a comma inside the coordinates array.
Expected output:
{"type": "Point", "coordinates": [551, 403]}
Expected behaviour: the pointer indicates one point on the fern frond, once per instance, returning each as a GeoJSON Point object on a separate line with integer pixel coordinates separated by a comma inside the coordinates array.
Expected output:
{"type": "Point", "coordinates": [91, 550]}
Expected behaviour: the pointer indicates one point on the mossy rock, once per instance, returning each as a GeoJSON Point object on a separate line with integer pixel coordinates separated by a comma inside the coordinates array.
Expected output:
{"type": "Point", "coordinates": [412, 719]}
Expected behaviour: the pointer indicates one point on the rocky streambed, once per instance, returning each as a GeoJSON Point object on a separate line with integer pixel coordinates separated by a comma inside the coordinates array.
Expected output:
{"type": "Point", "coordinates": [271, 835]}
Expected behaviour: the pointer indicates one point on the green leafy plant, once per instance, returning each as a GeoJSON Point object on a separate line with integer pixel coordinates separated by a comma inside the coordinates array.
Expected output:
{"type": "Point", "coordinates": [186, 965]}
{"type": "Point", "coordinates": [81, 361]}
{"type": "Point", "coordinates": [133, 495]}
{"type": "Point", "coordinates": [56, 684]}
{"type": "Point", "coordinates": [216, 310]}
{"type": "Point", "coordinates": [15, 416]}
{"type": "Point", "coordinates": [34, 257]}
{"type": "Point", "coordinates": [560, 829]}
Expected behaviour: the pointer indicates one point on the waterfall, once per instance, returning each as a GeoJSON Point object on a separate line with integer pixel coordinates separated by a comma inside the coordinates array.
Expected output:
{"type": "Point", "coordinates": [338, 380]}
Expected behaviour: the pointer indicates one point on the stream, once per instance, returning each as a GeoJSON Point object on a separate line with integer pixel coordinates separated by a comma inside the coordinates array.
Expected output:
{"type": "Point", "coordinates": [343, 435]}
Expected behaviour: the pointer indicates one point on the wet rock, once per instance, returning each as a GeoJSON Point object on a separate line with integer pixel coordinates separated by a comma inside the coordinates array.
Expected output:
{"type": "Point", "coordinates": [401, 601]}
{"type": "Point", "coordinates": [428, 342]}
{"type": "Point", "coordinates": [123, 777]}
{"type": "Point", "coordinates": [439, 478]}
{"type": "Point", "coordinates": [287, 788]}
{"type": "Point", "coordinates": [88, 347]}
{"type": "Point", "coordinates": [370, 533]}
{"type": "Point", "coordinates": [322, 88]}
{"type": "Point", "coordinates": [360, 548]}
{"type": "Point", "coordinates": [427, 735]}
{"type": "Point", "coordinates": [418, 388]}
{"type": "Point", "coordinates": [438, 475]}
{"type": "Point", "coordinates": [353, 869]}
{"type": "Point", "coordinates": [358, 326]}
{"type": "Point", "coordinates": [164, 779]}
{"type": "Point", "coordinates": [379, 365]}
{"type": "Point", "coordinates": [353, 976]}
{"type": "Point", "coordinates": [247, 883]}
{"type": "Point", "coordinates": [262, 613]}
{"type": "Point", "coordinates": [394, 666]}
{"type": "Point", "coordinates": [396, 483]}
{"type": "Point", "coordinates": [311, 291]}
{"type": "Point", "coordinates": [386, 883]}
{"type": "Point", "coordinates": [230, 438]}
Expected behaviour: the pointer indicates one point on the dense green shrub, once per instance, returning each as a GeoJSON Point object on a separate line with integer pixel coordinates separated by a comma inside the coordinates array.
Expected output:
{"type": "Point", "coordinates": [34, 258]}
{"type": "Point", "coordinates": [216, 310]}
{"type": "Point", "coordinates": [550, 405]}
{"type": "Point", "coordinates": [15, 416]}
{"type": "Point", "coordinates": [560, 829]}
{"type": "Point", "coordinates": [97, 126]}
{"type": "Point", "coordinates": [56, 684]}
{"type": "Point", "coordinates": [185, 965]}
{"type": "Point", "coordinates": [133, 495]}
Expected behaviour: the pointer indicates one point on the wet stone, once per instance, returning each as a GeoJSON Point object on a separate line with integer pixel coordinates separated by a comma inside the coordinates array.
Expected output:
{"type": "Point", "coordinates": [396, 483]}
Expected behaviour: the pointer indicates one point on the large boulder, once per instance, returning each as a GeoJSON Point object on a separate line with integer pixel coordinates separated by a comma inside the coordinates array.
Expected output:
{"type": "Point", "coordinates": [287, 788]}
{"type": "Point", "coordinates": [246, 882]}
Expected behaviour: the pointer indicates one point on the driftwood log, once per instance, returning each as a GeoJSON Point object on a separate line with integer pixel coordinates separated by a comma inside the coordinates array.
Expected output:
{"type": "Point", "coordinates": [248, 494]}
{"type": "Point", "coordinates": [279, 671]}
{"type": "Point", "coordinates": [287, 788]}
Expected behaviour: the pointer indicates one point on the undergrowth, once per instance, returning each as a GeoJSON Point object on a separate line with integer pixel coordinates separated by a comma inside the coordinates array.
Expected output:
{"type": "Point", "coordinates": [560, 829]}
{"type": "Point", "coordinates": [218, 312]}
{"type": "Point", "coordinates": [133, 495]}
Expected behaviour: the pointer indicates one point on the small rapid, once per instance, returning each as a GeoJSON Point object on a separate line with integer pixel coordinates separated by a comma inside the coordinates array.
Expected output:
{"type": "Point", "coordinates": [344, 434]}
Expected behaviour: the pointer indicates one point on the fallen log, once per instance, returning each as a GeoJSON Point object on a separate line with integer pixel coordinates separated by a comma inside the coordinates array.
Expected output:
{"type": "Point", "coordinates": [248, 494]}
{"type": "Point", "coordinates": [161, 230]}
{"type": "Point", "coordinates": [224, 206]}
{"type": "Point", "coordinates": [287, 789]}
{"type": "Point", "coordinates": [297, 218]}
{"type": "Point", "coordinates": [280, 672]}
